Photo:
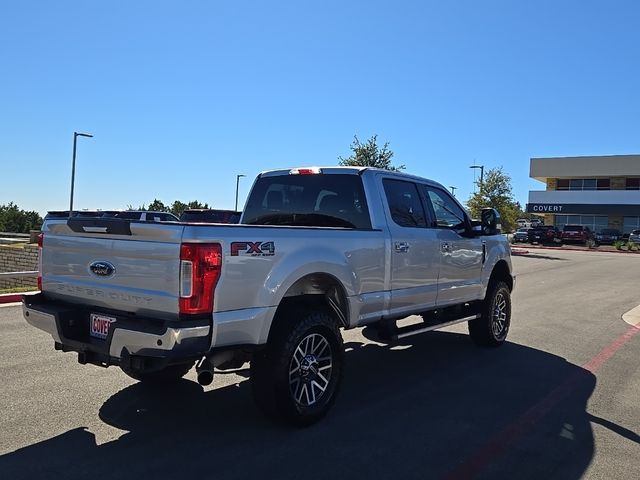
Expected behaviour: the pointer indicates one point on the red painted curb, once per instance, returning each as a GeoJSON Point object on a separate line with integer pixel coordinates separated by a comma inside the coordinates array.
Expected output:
{"type": "Point", "coordinates": [14, 297]}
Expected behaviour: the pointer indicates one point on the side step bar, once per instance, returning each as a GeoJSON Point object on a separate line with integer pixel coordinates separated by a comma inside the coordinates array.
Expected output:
{"type": "Point", "coordinates": [404, 332]}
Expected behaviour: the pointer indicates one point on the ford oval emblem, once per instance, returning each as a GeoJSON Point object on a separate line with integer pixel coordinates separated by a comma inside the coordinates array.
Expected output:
{"type": "Point", "coordinates": [102, 269]}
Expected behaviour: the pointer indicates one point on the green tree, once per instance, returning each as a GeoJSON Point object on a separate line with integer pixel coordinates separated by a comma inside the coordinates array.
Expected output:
{"type": "Point", "coordinates": [496, 193]}
{"type": "Point", "coordinates": [369, 154]}
{"type": "Point", "coordinates": [15, 220]}
{"type": "Point", "coordinates": [156, 206]}
{"type": "Point", "coordinates": [177, 207]}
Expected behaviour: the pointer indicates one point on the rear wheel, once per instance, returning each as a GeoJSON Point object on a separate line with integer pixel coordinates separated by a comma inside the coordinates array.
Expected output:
{"type": "Point", "coordinates": [297, 377]}
{"type": "Point", "coordinates": [169, 374]}
{"type": "Point", "coordinates": [492, 327]}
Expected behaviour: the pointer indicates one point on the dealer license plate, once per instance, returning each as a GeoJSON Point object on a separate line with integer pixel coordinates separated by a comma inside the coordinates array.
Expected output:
{"type": "Point", "coordinates": [99, 325]}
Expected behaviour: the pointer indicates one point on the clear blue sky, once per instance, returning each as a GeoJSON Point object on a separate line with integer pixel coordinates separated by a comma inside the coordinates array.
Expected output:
{"type": "Point", "coordinates": [182, 96]}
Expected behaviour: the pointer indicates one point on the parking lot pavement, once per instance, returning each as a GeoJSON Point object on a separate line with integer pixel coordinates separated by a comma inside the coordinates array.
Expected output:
{"type": "Point", "coordinates": [559, 400]}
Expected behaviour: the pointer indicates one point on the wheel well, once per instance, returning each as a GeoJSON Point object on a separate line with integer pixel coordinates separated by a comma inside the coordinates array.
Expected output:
{"type": "Point", "coordinates": [501, 273]}
{"type": "Point", "coordinates": [318, 289]}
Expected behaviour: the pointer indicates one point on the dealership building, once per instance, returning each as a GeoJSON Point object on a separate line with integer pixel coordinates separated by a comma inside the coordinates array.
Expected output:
{"type": "Point", "coordinates": [598, 192]}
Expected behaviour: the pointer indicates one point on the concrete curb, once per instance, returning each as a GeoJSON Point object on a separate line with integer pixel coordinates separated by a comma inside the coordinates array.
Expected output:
{"type": "Point", "coordinates": [632, 317]}
{"type": "Point", "coordinates": [576, 249]}
{"type": "Point", "coordinates": [14, 297]}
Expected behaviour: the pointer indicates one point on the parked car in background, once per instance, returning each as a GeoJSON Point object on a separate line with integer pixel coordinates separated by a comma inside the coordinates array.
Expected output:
{"type": "Point", "coordinates": [547, 234]}
{"type": "Point", "coordinates": [634, 236]}
{"type": "Point", "coordinates": [576, 234]}
{"type": "Point", "coordinates": [143, 215]}
{"type": "Point", "coordinates": [536, 222]}
{"type": "Point", "coordinates": [210, 215]}
{"type": "Point", "coordinates": [607, 236]}
{"type": "Point", "coordinates": [521, 235]}
{"type": "Point", "coordinates": [523, 223]}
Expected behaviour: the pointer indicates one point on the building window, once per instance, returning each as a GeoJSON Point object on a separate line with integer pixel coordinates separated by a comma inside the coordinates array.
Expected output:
{"type": "Point", "coordinates": [633, 184]}
{"type": "Point", "coordinates": [594, 222]}
{"type": "Point", "coordinates": [583, 184]}
{"type": "Point", "coordinates": [630, 223]}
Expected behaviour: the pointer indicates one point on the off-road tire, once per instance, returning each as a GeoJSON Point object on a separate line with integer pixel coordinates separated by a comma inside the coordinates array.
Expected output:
{"type": "Point", "coordinates": [271, 368]}
{"type": "Point", "coordinates": [169, 374]}
{"type": "Point", "coordinates": [492, 327]}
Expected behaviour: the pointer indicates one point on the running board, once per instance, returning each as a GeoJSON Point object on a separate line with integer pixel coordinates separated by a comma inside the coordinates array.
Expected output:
{"type": "Point", "coordinates": [404, 332]}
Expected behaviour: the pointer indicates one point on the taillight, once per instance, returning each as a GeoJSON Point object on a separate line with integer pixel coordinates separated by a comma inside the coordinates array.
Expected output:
{"type": "Point", "coordinates": [40, 243]}
{"type": "Point", "coordinates": [200, 265]}
{"type": "Point", "coordinates": [304, 171]}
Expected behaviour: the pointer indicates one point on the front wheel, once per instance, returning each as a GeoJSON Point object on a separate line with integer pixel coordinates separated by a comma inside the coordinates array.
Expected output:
{"type": "Point", "coordinates": [491, 329]}
{"type": "Point", "coordinates": [297, 377]}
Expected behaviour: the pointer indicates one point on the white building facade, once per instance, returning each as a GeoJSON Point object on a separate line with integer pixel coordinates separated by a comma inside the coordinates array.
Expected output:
{"type": "Point", "coordinates": [598, 192]}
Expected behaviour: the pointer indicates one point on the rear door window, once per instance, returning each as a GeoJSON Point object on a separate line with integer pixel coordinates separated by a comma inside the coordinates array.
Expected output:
{"type": "Point", "coordinates": [404, 202]}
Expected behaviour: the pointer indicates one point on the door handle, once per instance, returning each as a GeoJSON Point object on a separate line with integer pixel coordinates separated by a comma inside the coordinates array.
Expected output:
{"type": "Point", "coordinates": [445, 247]}
{"type": "Point", "coordinates": [402, 247]}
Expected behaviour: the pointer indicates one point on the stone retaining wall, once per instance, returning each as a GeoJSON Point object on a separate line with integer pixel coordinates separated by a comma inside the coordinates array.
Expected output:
{"type": "Point", "coordinates": [18, 259]}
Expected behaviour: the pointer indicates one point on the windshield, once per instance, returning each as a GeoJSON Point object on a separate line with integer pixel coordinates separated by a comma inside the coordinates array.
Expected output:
{"type": "Point", "coordinates": [316, 200]}
{"type": "Point", "coordinates": [573, 228]}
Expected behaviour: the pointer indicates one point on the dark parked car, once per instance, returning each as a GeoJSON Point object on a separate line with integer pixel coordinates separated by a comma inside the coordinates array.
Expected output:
{"type": "Point", "coordinates": [143, 215]}
{"type": "Point", "coordinates": [576, 234]}
{"type": "Point", "coordinates": [210, 215]}
{"type": "Point", "coordinates": [544, 234]}
{"type": "Point", "coordinates": [608, 236]}
{"type": "Point", "coordinates": [521, 235]}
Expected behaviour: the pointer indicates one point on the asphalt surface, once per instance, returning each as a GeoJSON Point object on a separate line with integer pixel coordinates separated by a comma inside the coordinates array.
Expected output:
{"type": "Point", "coordinates": [560, 400]}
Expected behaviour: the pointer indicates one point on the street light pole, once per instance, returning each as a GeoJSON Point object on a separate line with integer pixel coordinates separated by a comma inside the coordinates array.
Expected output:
{"type": "Point", "coordinates": [73, 166]}
{"type": "Point", "coordinates": [453, 190]}
{"type": "Point", "coordinates": [481, 167]}
{"type": "Point", "coordinates": [237, 185]}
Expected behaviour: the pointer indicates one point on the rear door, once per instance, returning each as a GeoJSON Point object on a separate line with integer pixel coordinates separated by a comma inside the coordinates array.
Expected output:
{"type": "Point", "coordinates": [461, 257]}
{"type": "Point", "coordinates": [415, 258]}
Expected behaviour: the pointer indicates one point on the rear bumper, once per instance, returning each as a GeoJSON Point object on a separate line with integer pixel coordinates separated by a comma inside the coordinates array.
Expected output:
{"type": "Point", "coordinates": [132, 340]}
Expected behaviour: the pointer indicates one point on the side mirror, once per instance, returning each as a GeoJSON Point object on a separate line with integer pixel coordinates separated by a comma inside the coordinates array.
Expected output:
{"type": "Point", "coordinates": [491, 222]}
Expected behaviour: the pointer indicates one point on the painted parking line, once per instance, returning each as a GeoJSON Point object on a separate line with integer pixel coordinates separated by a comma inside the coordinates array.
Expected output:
{"type": "Point", "coordinates": [497, 444]}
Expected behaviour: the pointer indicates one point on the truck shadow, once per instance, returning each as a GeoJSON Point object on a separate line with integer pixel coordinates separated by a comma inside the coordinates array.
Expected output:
{"type": "Point", "coordinates": [434, 407]}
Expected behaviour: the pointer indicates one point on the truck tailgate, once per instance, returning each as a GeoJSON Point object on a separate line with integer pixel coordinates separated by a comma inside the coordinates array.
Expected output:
{"type": "Point", "coordinates": [135, 270]}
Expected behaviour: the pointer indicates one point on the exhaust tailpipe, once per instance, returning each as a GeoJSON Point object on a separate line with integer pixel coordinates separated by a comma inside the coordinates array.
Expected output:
{"type": "Point", "coordinates": [204, 369]}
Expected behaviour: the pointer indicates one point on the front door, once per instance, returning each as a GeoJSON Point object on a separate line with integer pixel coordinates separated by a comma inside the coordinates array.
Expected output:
{"type": "Point", "coordinates": [461, 256]}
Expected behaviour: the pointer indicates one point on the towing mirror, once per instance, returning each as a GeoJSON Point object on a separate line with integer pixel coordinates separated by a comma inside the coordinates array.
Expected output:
{"type": "Point", "coordinates": [491, 222]}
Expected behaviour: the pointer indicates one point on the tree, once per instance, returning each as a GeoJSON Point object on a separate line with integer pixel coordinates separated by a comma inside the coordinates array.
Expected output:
{"type": "Point", "coordinates": [156, 206]}
{"type": "Point", "coordinates": [177, 207]}
{"type": "Point", "coordinates": [496, 193]}
{"type": "Point", "coordinates": [369, 154]}
{"type": "Point", "coordinates": [15, 220]}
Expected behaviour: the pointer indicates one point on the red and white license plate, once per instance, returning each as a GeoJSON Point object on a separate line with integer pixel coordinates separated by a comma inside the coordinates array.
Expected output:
{"type": "Point", "coordinates": [99, 325]}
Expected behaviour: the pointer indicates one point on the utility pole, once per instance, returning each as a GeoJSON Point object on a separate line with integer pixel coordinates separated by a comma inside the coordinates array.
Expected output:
{"type": "Point", "coordinates": [73, 166]}
{"type": "Point", "coordinates": [237, 185]}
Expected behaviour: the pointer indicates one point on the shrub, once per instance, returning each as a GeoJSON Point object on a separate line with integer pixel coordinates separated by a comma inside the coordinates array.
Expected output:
{"type": "Point", "coordinates": [618, 244]}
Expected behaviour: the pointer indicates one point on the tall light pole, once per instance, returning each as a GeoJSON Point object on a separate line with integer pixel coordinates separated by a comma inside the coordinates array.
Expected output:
{"type": "Point", "coordinates": [481, 167]}
{"type": "Point", "coordinates": [453, 190]}
{"type": "Point", "coordinates": [237, 185]}
{"type": "Point", "coordinates": [73, 166]}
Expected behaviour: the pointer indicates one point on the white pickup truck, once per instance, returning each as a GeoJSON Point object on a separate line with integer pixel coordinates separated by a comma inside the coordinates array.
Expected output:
{"type": "Point", "coordinates": [317, 250]}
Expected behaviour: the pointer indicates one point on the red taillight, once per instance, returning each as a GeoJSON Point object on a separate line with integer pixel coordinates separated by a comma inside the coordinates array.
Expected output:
{"type": "Point", "coordinates": [200, 265]}
{"type": "Point", "coordinates": [40, 243]}
{"type": "Point", "coordinates": [304, 171]}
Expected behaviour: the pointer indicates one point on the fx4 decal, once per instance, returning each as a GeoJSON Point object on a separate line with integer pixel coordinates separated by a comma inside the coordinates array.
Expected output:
{"type": "Point", "coordinates": [253, 249]}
